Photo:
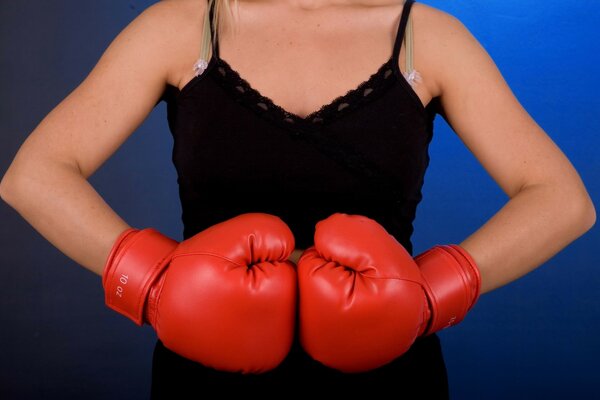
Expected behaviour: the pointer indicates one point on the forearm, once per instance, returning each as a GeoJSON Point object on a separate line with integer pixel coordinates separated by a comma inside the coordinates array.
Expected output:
{"type": "Point", "coordinates": [64, 208]}
{"type": "Point", "coordinates": [528, 230]}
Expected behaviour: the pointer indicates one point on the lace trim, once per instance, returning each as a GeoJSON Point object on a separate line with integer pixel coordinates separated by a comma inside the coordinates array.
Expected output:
{"type": "Point", "coordinates": [353, 98]}
{"type": "Point", "coordinates": [301, 128]}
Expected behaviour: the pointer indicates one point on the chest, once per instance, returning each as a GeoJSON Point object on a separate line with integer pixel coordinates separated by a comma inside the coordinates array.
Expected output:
{"type": "Point", "coordinates": [304, 60]}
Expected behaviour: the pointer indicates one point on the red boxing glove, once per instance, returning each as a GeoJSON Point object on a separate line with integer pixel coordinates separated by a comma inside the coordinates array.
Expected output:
{"type": "Point", "coordinates": [225, 298]}
{"type": "Point", "coordinates": [364, 300]}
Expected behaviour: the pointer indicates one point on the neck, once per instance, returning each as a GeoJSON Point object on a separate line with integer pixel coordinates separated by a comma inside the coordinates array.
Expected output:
{"type": "Point", "coordinates": [319, 4]}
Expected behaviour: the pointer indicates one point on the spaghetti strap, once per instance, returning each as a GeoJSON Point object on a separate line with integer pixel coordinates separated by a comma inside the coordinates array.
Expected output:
{"type": "Point", "coordinates": [401, 29]}
{"type": "Point", "coordinates": [213, 33]}
{"type": "Point", "coordinates": [210, 43]}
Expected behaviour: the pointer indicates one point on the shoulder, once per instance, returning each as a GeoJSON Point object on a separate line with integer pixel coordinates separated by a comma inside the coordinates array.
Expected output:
{"type": "Point", "coordinates": [433, 14]}
{"type": "Point", "coordinates": [167, 20]}
{"type": "Point", "coordinates": [437, 23]}
{"type": "Point", "coordinates": [175, 28]}
{"type": "Point", "coordinates": [169, 11]}
{"type": "Point", "coordinates": [440, 37]}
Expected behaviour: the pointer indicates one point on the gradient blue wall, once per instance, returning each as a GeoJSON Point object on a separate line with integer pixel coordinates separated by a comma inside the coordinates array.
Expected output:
{"type": "Point", "coordinates": [535, 338]}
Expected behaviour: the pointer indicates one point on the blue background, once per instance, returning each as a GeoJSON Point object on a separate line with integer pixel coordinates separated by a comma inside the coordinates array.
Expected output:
{"type": "Point", "coordinates": [535, 338]}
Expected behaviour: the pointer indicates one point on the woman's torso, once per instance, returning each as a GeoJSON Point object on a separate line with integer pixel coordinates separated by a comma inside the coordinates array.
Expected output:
{"type": "Point", "coordinates": [359, 148]}
{"type": "Point", "coordinates": [303, 114]}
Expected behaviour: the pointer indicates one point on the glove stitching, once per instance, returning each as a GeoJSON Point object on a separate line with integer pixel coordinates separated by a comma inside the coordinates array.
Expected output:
{"type": "Point", "coordinates": [143, 295]}
{"type": "Point", "coordinates": [456, 265]}
{"type": "Point", "coordinates": [209, 254]}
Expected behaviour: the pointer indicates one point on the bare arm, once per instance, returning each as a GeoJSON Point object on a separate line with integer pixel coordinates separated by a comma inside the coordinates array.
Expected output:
{"type": "Point", "coordinates": [548, 205]}
{"type": "Point", "coordinates": [47, 180]}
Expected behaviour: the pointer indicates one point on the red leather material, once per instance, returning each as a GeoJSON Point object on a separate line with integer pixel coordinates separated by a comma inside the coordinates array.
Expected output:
{"type": "Point", "coordinates": [452, 282]}
{"type": "Point", "coordinates": [362, 302]}
{"type": "Point", "coordinates": [227, 298]}
{"type": "Point", "coordinates": [364, 299]}
{"type": "Point", "coordinates": [134, 263]}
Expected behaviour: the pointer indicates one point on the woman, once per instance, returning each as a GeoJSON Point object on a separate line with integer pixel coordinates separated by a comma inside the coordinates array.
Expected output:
{"type": "Point", "coordinates": [297, 133]}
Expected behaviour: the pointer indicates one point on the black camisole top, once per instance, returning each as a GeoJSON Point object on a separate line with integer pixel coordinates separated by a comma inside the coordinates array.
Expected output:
{"type": "Point", "coordinates": [236, 151]}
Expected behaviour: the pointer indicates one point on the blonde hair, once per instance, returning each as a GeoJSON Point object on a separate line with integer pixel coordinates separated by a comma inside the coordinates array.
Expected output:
{"type": "Point", "coordinates": [208, 41]}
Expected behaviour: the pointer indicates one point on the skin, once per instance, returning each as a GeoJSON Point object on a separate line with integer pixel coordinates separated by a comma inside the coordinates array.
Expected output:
{"type": "Point", "coordinates": [47, 184]}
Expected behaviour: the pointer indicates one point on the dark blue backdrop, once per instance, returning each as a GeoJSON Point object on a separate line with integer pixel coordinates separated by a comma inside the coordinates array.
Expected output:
{"type": "Point", "coordinates": [536, 335]}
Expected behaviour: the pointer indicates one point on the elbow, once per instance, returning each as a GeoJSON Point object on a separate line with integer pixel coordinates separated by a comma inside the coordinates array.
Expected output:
{"type": "Point", "coordinates": [11, 181]}
{"type": "Point", "coordinates": [9, 190]}
{"type": "Point", "coordinates": [584, 213]}
{"type": "Point", "coordinates": [5, 189]}
{"type": "Point", "coordinates": [590, 215]}
{"type": "Point", "coordinates": [573, 206]}
{"type": "Point", "coordinates": [10, 186]}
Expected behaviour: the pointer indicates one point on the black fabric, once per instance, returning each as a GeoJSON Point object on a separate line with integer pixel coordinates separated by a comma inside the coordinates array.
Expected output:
{"type": "Point", "coordinates": [366, 152]}
{"type": "Point", "coordinates": [419, 374]}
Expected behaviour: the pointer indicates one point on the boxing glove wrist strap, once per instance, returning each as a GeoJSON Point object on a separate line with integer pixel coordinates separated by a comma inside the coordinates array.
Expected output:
{"type": "Point", "coordinates": [452, 283]}
{"type": "Point", "coordinates": [134, 263]}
